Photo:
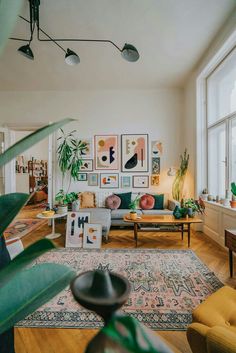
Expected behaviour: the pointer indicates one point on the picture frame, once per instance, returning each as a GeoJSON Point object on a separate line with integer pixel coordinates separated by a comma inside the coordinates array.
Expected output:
{"type": "Point", "coordinates": [87, 165]}
{"type": "Point", "coordinates": [82, 176]}
{"type": "Point", "coordinates": [75, 228]}
{"type": "Point", "coordinates": [88, 152]}
{"type": "Point", "coordinates": [134, 153]}
{"type": "Point", "coordinates": [155, 179]}
{"type": "Point", "coordinates": [93, 179]}
{"type": "Point", "coordinates": [125, 181]}
{"type": "Point", "coordinates": [156, 165]}
{"type": "Point", "coordinates": [156, 149]}
{"type": "Point", "coordinates": [92, 238]}
{"type": "Point", "coordinates": [106, 152]}
{"type": "Point", "coordinates": [109, 180]}
{"type": "Point", "coordinates": [140, 181]}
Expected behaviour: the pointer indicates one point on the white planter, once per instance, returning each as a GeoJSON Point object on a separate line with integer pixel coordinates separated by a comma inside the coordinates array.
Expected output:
{"type": "Point", "coordinates": [62, 209]}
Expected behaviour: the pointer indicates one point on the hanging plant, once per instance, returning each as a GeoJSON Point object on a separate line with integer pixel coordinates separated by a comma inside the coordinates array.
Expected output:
{"type": "Point", "coordinates": [178, 184]}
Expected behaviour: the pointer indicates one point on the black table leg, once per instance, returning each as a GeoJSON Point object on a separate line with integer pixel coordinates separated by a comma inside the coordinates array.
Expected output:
{"type": "Point", "coordinates": [136, 234]}
{"type": "Point", "coordinates": [189, 234]}
{"type": "Point", "coordinates": [182, 231]}
{"type": "Point", "coordinates": [231, 263]}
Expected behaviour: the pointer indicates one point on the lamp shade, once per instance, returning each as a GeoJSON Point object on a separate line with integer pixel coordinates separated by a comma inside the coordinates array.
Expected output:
{"type": "Point", "coordinates": [130, 53]}
{"type": "Point", "coordinates": [71, 58]}
{"type": "Point", "coordinates": [26, 51]}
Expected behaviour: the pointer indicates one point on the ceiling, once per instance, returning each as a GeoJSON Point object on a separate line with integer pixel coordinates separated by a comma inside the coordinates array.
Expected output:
{"type": "Point", "coordinates": [171, 36]}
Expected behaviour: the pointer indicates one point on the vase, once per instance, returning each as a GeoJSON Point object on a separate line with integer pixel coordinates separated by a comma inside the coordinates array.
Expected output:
{"type": "Point", "coordinates": [75, 206]}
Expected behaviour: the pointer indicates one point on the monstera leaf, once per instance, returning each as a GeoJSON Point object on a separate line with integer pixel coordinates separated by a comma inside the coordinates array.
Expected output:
{"type": "Point", "coordinates": [9, 9]}
{"type": "Point", "coordinates": [30, 140]}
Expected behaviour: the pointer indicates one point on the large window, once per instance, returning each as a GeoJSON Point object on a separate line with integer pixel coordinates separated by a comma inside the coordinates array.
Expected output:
{"type": "Point", "coordinates": [221, 125]}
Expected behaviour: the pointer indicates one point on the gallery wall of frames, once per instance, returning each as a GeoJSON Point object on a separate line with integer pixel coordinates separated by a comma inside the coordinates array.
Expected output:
{"type": "Point", "coordinates": [121, 161]}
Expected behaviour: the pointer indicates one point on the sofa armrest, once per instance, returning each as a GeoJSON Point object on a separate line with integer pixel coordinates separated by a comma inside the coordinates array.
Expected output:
{"type": "Point", "coordinates": [197, 337]}
{"type": "Point", "coordinates": [172, 204]}
{"type": "Point", "coordinates": [221, 340]}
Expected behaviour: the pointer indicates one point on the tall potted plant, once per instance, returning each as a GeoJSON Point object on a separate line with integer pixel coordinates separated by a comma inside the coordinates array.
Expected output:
{"type": "Point", "coordinates": [233, 190]}
{"type": "Point", "coordinates": [178, 184]}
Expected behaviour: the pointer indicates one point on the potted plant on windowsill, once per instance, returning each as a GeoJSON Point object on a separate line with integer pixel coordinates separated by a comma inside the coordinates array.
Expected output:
{"type": "Point", "coordinates": [133, 207]}
{"type": "Point", "coordinates": [233, 190]}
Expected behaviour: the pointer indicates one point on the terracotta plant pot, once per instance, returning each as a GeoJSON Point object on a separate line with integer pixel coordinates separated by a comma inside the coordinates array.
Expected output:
{"type": "Point", "coordinates": [233, 204]}
{"type": "Point", "coordinates": [133, 215]}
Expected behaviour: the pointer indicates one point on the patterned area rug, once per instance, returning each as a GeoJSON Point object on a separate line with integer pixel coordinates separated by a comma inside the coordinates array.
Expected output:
{"type": "Point", "coordinates": [166, 286]}
{"type": "Point", "coordinates": [20, 227]}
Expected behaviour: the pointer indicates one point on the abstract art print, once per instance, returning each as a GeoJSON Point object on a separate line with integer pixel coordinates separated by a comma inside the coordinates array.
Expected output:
{"type": "Point", "coordinates": [156, 165]}
{"type": "Point", "coordinates": [82, 177]}
{"type": "Point", "coordinates": [75, 228]}
{"type": "Point", "coordinates": [125, 181]}
{"type": "Point", "coordinates": [134, 153]}
{"type": "Point", "coordinates": [155, 179]}
{"type": "Point", "coordinates": [93, 179]}
{"type": "Point", "coordinates": [108, 181]}
{"type": "Point", "coordinates": [87, 165]}
{"type": "Point", "coordinates": [92, 238]}
{"type": "Point", "coordinates": [87, 153]}
{"type": "Point", "coordinates": [140, 181]}
{"type": "Point", "coordinates": [106, 152]}
{"type": "Point", "coordinates": [156, 149]}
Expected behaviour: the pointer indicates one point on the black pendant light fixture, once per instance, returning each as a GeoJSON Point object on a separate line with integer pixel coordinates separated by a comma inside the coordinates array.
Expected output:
{"type": "Point", "coordinates": [129, 52]}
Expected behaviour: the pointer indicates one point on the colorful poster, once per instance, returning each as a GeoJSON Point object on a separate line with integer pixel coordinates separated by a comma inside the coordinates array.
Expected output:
{"type": "Point", "coordinates": [125, 181]}
{"type": "Point", "coordinates": [87, 165]}
{"type": "Point", "coordinates": [92, 236]}
{"type": "Point", "coordinates": [156, 149]}
{"type": "Point", "coordinates": [140, 181]}
{"type": "Point", "coordinates": [108, 181]}
{"type": "Point", "coordinates": [106, 152]}
{"type": "Point", "coordinates": [87, 153]}
{"type": "Point", "coordinates": [93, 179]}
{"type": "Point", "coordinates": [75, 228]}
{"type": "Point", "coordinates": [134, 153]}
{"type": "Point", "coordinates": [155, 180]}
{"type": "Point", "coordinates": [156, 165]}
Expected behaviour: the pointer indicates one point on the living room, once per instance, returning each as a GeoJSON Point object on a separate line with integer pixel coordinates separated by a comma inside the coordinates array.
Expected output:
{"type": "Point", "coordinates": [140, 135]}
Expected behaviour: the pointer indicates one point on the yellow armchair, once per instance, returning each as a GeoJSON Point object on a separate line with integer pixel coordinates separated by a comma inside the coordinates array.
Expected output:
{"type": "Point", "coordinates": [214, 324]}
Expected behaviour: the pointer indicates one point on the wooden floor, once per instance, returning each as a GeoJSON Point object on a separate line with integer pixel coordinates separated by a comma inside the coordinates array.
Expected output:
{"type": "Point", "coordinates": [74, 340]}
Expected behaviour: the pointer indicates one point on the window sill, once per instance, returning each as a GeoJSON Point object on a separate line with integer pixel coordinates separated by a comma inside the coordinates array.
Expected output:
{"type": "Point", "coordinates": [216, 204]}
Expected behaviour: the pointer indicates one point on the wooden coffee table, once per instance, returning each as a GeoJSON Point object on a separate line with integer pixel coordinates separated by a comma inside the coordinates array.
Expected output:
{"type": "Point", "coordinates": [182, 225]}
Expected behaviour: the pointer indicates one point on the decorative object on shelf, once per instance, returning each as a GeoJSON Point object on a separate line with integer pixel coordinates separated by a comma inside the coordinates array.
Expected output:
{"type": "Point", "coordinates": [82, 176]}
{"type": "Point", "coordinates": [233, 190]}
{"type": "Point", "coordinates": [92, 237]}
{"type": "Point", "coordinates": [87, 153]}
{"type": "Point", "coordinates": [204, 194]}
{"type": "Point", "coordinates": [69, 154]}
{"type": "Point", "coordinates": [178, 184]}
{"type": "Point", "coordinates": [128, 52]}
{"type": "Point", "coordinates": [134, 153]}
{"type": "Point", "coordinates": [64, 199]}
{"type": "Point", "coordinates": [193, 206]}
{"type": "Point", "coordinates": [125, 181]}
{"type": "Point", "coordinates": [155, 179]}
{"type": "Point", "coordinates": [106, 152]}
{"type": "Point", "coordinates": [210, 197]}
{"type": "Point", "coordinates": [86, 165]}
{"type": "Point", "coordinates": [109, 181]}
{"type": "Point", "coordinates": [75, 228]}
{"type": "Point", "coordinates": [76, 205]}
{"type": "Point", "coordinates": [171, 171]}
{"type": "Point", "coordinates": [133, 206]}
{"type": "Point", "coordinates": [92, 179]}
{"type": "Point", "coordinates": [140, 181]}
{"type": "Point", "coordinates": [156, 165]}
{"type": "Point", "coordinates": [180, 212]}
{"type": "Point", "coordinates": [156, 149]}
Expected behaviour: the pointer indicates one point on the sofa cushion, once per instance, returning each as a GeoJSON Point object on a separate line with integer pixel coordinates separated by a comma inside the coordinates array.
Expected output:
{"type": "Point", "coordinates": [113, 202]}
{"type": "Point", "coordinates": [159, 201]}
{"type": "Point", "coordinates": [125, 200]}
{"type": "Point", "coordinates": [158, 212]}
{"type": "Point", "coordinates": [87, 199]}
{"type": "Point", "coordinates": [119, 214]}
{"type": "Point", "coordinates": [147, 202]}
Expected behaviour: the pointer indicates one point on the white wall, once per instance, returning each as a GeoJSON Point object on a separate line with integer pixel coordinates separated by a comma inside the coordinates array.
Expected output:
{"type": "Point", "coordinates": [156, 112]}
{"type": "Point", "coordinates": [38, 151]}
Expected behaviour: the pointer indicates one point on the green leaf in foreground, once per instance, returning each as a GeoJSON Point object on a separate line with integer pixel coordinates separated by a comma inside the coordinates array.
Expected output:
{"type": "Point", "coordinates": [10, 205]}
{"type": "Point", "coordinates": [29, 290]}
{"type": "Point", "coordinates": [9, 10]}
{"type": "Point", "coordinates": [24, 259]}
{"type": "Point", "coordinates": [30, 140]}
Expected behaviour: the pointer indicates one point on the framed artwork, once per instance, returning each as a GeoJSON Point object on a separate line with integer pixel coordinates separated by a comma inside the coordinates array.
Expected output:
{"type": "Point", "coordinates": [106, 152]}
{"type": "Point", "coordinates": [156, 149]}
{"type": "Point", "coordinates": [93, 179]}
{"type": "Point", "coordinates": [92, 238]}
{"type": "Point", "coordinates": [88, 152]}
{"type": "Point", "coordinates": [155, 180]}
{"type": "Point", "coordinates": [87, 165]}
{"type": "Point", "coordinates": [140, 181]}
{"type": "Point", "coordinates": [75, 228]}
{"type": "Point", "coordinates": [134, 153]}
{"type": "Point", "coordinates": [82, 177]}
{"type": "Point", "coordinates": [108, 181]}
{"type": "Point", "coordinates": [156, 165]}
{"type": "Point", "coordinates": [126, 181]}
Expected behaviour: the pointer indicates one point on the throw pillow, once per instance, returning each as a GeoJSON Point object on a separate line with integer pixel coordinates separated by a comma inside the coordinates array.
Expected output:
{"type": "Point", "coordinates": [147, 202]}
{"type": "Point", "coordinates": [125, 200]}
{"type": "Point", "coordinates": [87, 199]}
{"type": "Point", "coordinates": [159, 202]}
{"type": "Point", "coordinates": [113, 202]}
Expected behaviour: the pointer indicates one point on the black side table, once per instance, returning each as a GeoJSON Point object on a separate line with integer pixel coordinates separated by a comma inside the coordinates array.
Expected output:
{"type": "Point", "coordinates": [230, 242]}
